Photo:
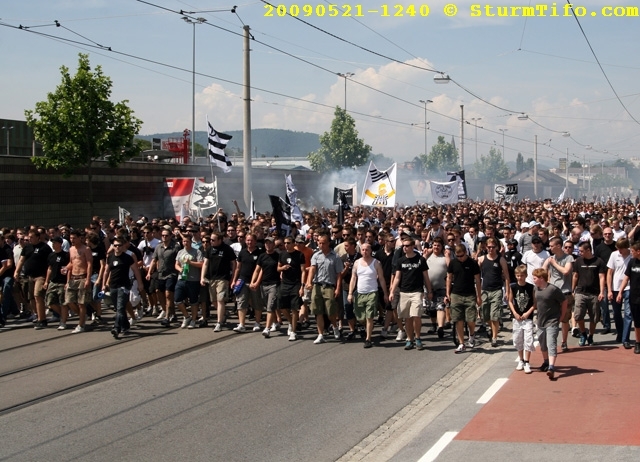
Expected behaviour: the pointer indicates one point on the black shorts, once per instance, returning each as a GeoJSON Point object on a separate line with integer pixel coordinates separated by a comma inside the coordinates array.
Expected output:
{"type": "Point", "coordinates": [289, 297]}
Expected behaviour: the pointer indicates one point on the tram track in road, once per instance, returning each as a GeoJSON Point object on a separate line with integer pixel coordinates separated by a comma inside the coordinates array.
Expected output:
{"type": "Point", "coordinates": [102, 378]}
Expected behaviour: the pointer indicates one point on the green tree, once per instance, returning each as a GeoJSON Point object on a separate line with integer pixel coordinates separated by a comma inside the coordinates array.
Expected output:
{"type": "Point", "coordinates": [144, 145]}
{"type": "Point", "coordinates": [529, 164]}
{"type": "Point", "coordinates": [340, 147]}
{"type": "Point", "coordinates": [491, 168]}
{"type": "Point", "coordinates": [520, 163]}
{"type": "Point", "coordinates": [575, 164]}
{"type": "Point", "coordinates": [78, 124]}
{"type": "Point", "coordinates": [442, 158]}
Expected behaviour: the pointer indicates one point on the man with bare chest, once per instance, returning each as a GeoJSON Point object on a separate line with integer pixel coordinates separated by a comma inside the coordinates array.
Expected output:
{"type": "Point", "coordinates": [78, 292]}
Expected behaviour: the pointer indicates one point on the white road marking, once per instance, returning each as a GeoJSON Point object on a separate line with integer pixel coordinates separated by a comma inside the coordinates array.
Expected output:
{"type": "Point", "coordinates": [492, 390]}
{"type": "Point", "coordinates": [437, 448]}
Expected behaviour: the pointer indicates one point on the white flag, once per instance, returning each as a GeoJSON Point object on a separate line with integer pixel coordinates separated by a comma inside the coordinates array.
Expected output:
{"type": "Point", "coordinates": [204, 198]}
{"type": "Point", "coordinates": [217, 142]}
{"type": "Point", "coordinates": [292, 197]}
{"type": "Point", "coordinates": [379, 187]}
{"type": "Point", "coordinates": [122, 213]}
{"type": "Point", "coordinates": [252, 208]}
{"type": "Point", "coordinates": [444, 192]}
{"type": "Point", "coordinates": [561, 196]}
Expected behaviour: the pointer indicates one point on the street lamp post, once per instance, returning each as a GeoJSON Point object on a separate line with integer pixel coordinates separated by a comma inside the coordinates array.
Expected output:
{"type": "Point", "coordinates": [346, 75]}
{"type": "Point", "coordinates": [475, 122]}
{"type": "Point", "coordinates": [7, 128]}
{"type": "Point", "coordinates": [503, 130]}
{"type": "Point", "coordinates": [426, 126]}
{"type": "Point", "coordinates": [193, 87]}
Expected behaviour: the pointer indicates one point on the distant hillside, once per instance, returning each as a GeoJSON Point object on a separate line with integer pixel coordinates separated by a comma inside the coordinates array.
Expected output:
{"type": "Point", "coordinates": [266, 142]}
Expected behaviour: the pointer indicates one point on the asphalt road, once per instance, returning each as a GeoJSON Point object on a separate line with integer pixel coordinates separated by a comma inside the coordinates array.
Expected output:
{"type": "Point", "coordinates": [244, 398]}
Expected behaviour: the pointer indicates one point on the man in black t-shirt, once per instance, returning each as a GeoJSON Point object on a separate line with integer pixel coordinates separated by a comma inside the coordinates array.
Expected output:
{"type": "Point", "coordinates": [241, 280]}
{"type": "Point", "coordinates": [412, 275]}
{"type": "Point", "coordinates": [266, 280]}
{"type": "Point", "coordinates": [34, 262]}
{"type": "Point", "coordinates": [588, 286]}
{"type": "Point", "coordinates": [291, 265]}
{"type": "Point", "coordinates": [632, 277]}
{"type": "Point", "coordinates": [117, 280]}
{"type": "Point", "coordinates": [219, 263]}
{"type": "Point", "coordinates": [55, 281]}
{"type": "Point", "coordinates": [464, 294]}
{"type": "Point", "coordinates": [7, 265]}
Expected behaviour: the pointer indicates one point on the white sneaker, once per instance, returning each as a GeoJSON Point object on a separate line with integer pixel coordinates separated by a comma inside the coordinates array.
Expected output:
{"type": "Point", "coordinates": [384, 333]}
{"type": "Point", "coordinates": [472, 341]}
{"type": "Point", "coordinates": [319, 340]}
{"type": "Point", "coordinates": [401, 336]}
{"type": "Point", "coordinates": [239, 328]}
{"type": "Point", "coordinates": [336, 333]}
{"type": "Point", "coordinates": [257, 327]}
{"type": "Point", "coordinates": [62, 326]}
{"type": "Point", "coordinates": [161, 315]}
{"type": "Point", "coordinates": [78, 330]}
{"type": "Point", "coordinates": [293, 337]}
{"type": "Point", "coordinates": [520, 365]}
{"type": "Point", "coordinates": [266, 332]}
{"type": "Point", "coordinates": [527, 368]}
{"type": "Point", "coordinates": [289, 330]}
{"type": "Point", "coordinates": [275, 327]}
{"type": "Point", "coordinates": [192, 325]}
{"type": "Point", "coordinates": [217, 328]}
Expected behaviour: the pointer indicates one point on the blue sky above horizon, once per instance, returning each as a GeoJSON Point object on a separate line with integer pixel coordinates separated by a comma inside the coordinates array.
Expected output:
{"type": "Point", "coordinates": [541, 66]}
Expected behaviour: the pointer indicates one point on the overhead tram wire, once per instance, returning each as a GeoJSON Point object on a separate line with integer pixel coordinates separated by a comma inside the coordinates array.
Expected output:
{"type": "Point", "coordinates": [171, 66]}
{"type": "Point", "coordinates": [95, 44]}
{"type": "Point", "coordinates": [380, 55]}
{"type": "Point", "coordinates": [600, 65]}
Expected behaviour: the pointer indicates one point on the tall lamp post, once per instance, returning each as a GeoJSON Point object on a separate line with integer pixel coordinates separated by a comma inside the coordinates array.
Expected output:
{"type": "Point", "coordinates": [193, 88]}
{"type": "Point", "coordinates": [426, 126]}
{"type": "Point", "coordinates": [503, 130]}
{"type": "Point", "coordinates": [346, 75]}
{"type": "Point", "coordinates": [475, 123]}
{"type": "Point", "coordinates": [7, 128]}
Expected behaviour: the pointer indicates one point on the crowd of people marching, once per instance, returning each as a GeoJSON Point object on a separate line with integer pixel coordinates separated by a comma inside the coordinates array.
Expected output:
{"type": "Point", "coordinates": [560, 268]}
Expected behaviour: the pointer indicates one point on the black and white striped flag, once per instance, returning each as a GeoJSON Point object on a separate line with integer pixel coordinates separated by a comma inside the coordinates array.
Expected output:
{"type": "Point", "coordinates": [217, 142]}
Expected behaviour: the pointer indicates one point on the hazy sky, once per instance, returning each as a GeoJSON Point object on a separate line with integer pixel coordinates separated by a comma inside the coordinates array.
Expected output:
{"type": "Point", "coordinates": [541, 66]}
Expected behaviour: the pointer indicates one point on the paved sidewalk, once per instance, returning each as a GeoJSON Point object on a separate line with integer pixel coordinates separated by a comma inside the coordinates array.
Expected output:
{"type": "Point", "coordinates": [593, 400]}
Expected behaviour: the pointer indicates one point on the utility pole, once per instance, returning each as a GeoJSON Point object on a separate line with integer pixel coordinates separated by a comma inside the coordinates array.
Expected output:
{"type": "Point", "coordinates": [535, 167]}
{"type": "Point", "coordinates": [426, 124]}
{"type": "Point", "coordinates": [346, 75]}
{"type": "Point", "coordinates": [462, 136]}
{"type": "Point", "coordinates": [503, 130]}
{"type": "Point", "coordinates": [246, 136]}
{"type": "Point", "coordinates": [475, 122]}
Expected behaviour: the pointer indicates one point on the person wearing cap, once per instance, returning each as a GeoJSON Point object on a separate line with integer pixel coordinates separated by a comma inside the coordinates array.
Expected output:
{"type": "Point", "coordinates": [534, 258]}
{"type": "Point", "coordinates": [55, 282]}
{"type": "Point", "coordinates": [525, 243]}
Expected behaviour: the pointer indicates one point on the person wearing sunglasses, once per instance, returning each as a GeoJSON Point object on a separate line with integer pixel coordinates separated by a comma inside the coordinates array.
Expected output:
{"type": "Point", "coordinates": [495, 278]}
{"type": "Point", "coordinates": [463, 294]}
{"type": "Point", "coordinates": [117, 280]}
{"type": "Point", "coordinates": [412, 275]}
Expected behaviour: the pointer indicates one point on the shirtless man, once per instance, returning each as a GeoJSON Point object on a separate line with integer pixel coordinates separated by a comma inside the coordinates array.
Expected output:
{"type": "Point", "coordinates": [78, 292]}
